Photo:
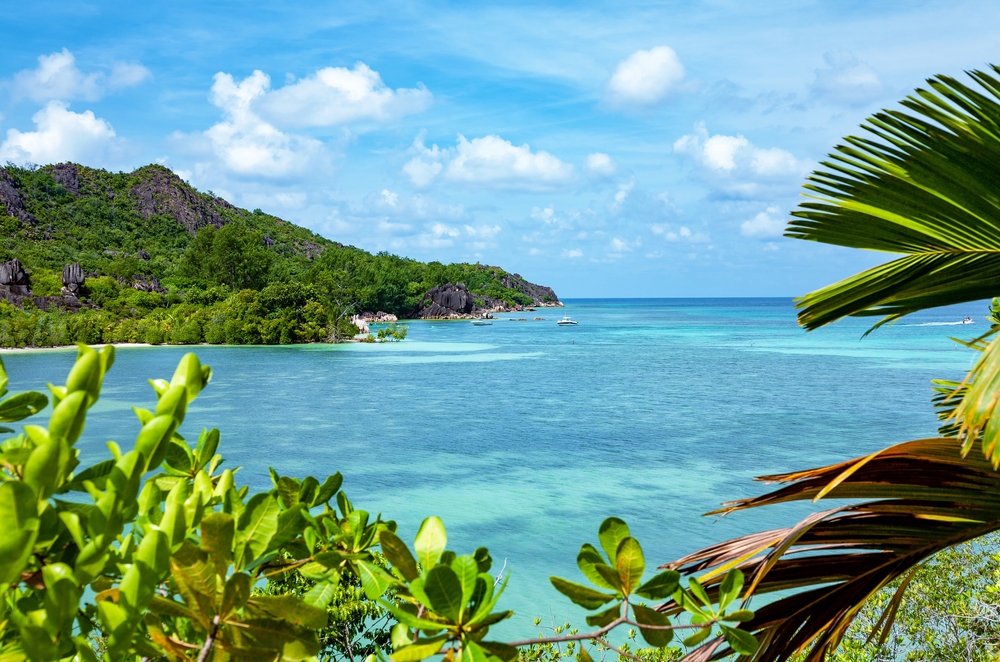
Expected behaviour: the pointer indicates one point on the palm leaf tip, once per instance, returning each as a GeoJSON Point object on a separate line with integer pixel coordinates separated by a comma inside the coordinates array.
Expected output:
{"type": "Point", "coordinates": [923, 186]}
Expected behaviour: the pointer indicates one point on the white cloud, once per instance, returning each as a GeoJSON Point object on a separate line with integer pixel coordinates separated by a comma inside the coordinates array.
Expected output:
{"type": "Point", "coordinates": [735, 164]}
{"type": "Point", "coordinates": [600, 165]}
{"type": "Point", "coordinates": [847, 80]}
{"type": "Point", "coordinates": [58, 78]}
{"type": "Point", "coordinates": [619, 245]}
{"type": "Point", "coordinates": [646, 77]}
{"type": "Point", "coordinates": [573, 253]}
{"type": "Point", "coordinates": [483, 231]}
{"type": "Point", "coordinates": [337, 95]}
{"type": "Point", "coordinates": [243, 143]}
{"type": "Point", "coordinates": [442, 230]}
{"type": "Point", "coordinates": [546, 215]}
{"type": "Point", "coordinates": [61, 135]}
{"type": "Point", "coordinates": [765, 224]}
{"type": "Point", "coordinates": [487, 162]}
{"type": "Point", "coordinates": [621, 195]}
{"type": "Point", "coordinates": [683, 233]}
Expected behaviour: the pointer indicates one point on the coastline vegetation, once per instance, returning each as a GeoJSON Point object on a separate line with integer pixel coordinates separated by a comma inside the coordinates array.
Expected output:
{"type": "Point", "coordinates": [254, 279]}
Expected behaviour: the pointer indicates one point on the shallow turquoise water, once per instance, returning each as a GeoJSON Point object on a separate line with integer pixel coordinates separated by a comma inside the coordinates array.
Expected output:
{"type": "Point", "coordinates": [523, 436]}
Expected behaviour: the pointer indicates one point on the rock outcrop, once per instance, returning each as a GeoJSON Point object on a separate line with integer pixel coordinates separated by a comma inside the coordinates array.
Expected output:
{"type": "Point", "coordinates": [10, 200]}
{"type": "Point", "coordinates": [72, 279]}
{"type": "Point", "coordinates": [67, 176]}
{"type": "Point", "coordinates": [160, 191]}
{"type": "Point", "coordinates": [456, 301]}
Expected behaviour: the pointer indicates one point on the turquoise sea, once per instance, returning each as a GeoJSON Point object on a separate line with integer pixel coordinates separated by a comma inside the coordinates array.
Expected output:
{"type": "Point", "coordinates": [523, 436]}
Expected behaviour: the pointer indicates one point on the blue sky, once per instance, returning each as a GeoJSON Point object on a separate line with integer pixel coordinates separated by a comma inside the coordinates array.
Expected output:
{"type": "Point", "coordinates": [605, 149]}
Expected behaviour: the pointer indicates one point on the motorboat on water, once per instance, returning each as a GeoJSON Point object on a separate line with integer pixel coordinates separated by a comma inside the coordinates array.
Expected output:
{"type": "Point", "coordinates": [567, 321]}
{"type": "Point", "coordinates": [967, 320]}
{"type": "Point", "coordinates": [482, 322]}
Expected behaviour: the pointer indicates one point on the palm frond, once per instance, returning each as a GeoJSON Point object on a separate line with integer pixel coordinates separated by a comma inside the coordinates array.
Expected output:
{"type": "Point", "coordinates": [925, 184]}
{"type": "Point", "coordinates": [919, 497]}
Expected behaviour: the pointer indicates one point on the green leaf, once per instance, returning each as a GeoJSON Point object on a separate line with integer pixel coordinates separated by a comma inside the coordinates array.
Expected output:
{"type": "Point", "coordinates": [483, 559]}
{"type": "Point", "coordinates": [308, 490]}
{"type": "Point", "coordinates": [601, 619]}
{"type": "Point", "coordinates": [503, 651]}
{"type": "Point", "coordinates": [611, 534]}
{"type": "Point", "coordinates": [19, 515]}
{"type": "Point", "coordinates": [467, 571]}
{"type": "Point", "coordinates": [328, 489]}
{"type": "Point", "coordinates": [630, 563]}
{"type": "Point", "coordinates": [473, 652]}
{"type": "Point", "coordinates": [740, 641]}
{"type": "Point", "coordinates": [321, 595]}
{"type": "Point", "coordinates": [257, 525]}
{"type": "Point", "coordinates": [444, 590]}
{"type": "Point", "coordinates": [374, 580]}
{"type": "Point", "coordinates": [587, 559]}
{"type": "Point", "coordinates": [647, 616]}
{"type": "Point", "coordinates": [288, 491]}
{"type": "Point", "coordinates": [290, 609]}
{"type": "Point", "coordinates": [235, 594]}
{"type": "Point", "coordinates": [699, 592]}
{"type": "Point", "coordinates": [291, 522]}
{"type": "Point", "coordinates": [217, 532]}
{"type": "Point", "coordinates": [739, 616]}
{"type": "Point", "coordinates": [698, 637]}
{"type": "Point", "coordinates": [22, 405]}
{"type": "Point", "coordinates": [729, 590]}
{"type": "Point", "coordinates": [660, 586]}
{"type": "Point", "coordinates": [586, 597]}
{"type": "Point", "coordinates": [430, 542]}
{"type": "Point", "coordinates": [609, 575]}
{"type": "Point", "coordinates": [398, 554]}
{"type": "Point", "coordinates": [419, 650]}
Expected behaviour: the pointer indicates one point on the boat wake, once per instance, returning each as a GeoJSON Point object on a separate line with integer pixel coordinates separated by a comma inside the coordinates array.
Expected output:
{"type": "Point", "coordinates": [938, 324]}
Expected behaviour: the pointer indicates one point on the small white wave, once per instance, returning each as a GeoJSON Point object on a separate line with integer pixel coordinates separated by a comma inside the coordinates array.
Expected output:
{"type": "Point", "coordinates": [938, 324]}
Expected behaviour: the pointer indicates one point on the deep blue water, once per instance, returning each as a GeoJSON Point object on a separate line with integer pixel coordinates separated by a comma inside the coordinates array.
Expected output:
{"type": "Point", "coordinates": [523, 436]}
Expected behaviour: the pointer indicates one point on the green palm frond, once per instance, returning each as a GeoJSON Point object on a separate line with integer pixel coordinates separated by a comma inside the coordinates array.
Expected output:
{"type": "Point", "coordinates": [922, 497]}
{"type": "Point", "coordinates": [925, 184]}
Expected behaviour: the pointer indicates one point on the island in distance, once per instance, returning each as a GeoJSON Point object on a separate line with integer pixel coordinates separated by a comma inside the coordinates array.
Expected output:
{"type": "Point", "coordinates": [94, 256]}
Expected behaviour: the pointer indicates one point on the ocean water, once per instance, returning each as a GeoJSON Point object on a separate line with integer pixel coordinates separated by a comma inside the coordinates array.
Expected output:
{"type": "Point", "coordinates": [523, 436]}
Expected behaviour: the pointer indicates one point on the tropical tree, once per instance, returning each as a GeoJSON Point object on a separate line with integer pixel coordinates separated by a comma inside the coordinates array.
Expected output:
{"type": "Point", "coordinates": [923, 182]}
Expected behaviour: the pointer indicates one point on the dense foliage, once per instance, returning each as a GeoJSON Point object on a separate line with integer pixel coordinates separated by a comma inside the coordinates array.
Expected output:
{"type": "Point", "coordinates": [158, 553]}
{"type": "Point", "coordinates": [226, 274]}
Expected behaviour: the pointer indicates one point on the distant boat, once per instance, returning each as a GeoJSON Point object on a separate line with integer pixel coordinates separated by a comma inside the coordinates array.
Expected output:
{"type": "Point", "coordinates": [482, 322]}
{"type": "Point", "coordinates": [566, 321]}
{"type": "Point", "coordinates": [967, 320]}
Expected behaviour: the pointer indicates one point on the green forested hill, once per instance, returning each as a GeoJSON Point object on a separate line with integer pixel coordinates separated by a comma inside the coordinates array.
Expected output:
{"type": "Point", "coordinates": [164, 262]}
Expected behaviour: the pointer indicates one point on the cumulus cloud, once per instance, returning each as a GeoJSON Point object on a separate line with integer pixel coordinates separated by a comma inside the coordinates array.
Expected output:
{"type": "Point", "coordinates": [487, 162]}
{"type": "Point", "coordinates": [391, 204]}
{"type": "Point", "coordinates": [337, 95]}
{"type": "Point", "coordinates": [245, 144]}
{"type": "Point", "coordinates": [682, 234]}
{"type": "Point", "coordinates": [600, 165]}
{"type": "Point", "coordinates": [645, 77]}
{"type": "Point", "coordinates": [572, 253]}
{"type": "Point", "coordinates": [61, 135]}
{"type": "Point", "coordinates": [619, 245]}
{"type": "Point", "coordinates": [735, 164]}
{"type": "Point", "coordinates": [621, 195]}
{"type": "Point", "coordinates": [766, 224]}
{"type": "Point", "coordinates": [847, 80]}
{"type": "Point", "coordinates": [58, 78]}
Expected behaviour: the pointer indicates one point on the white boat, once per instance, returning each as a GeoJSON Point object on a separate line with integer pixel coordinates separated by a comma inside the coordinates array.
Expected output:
{"type": "Point", "coordinates": [567, 321]}
{"type": "Point", "coordinates": [482, 322]}
{"type": "Point", "coordinates": [967, 320]}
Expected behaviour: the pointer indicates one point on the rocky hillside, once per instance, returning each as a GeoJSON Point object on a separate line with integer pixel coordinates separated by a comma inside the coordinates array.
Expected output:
{"type": "Point", "coordinates": [143, 229]}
